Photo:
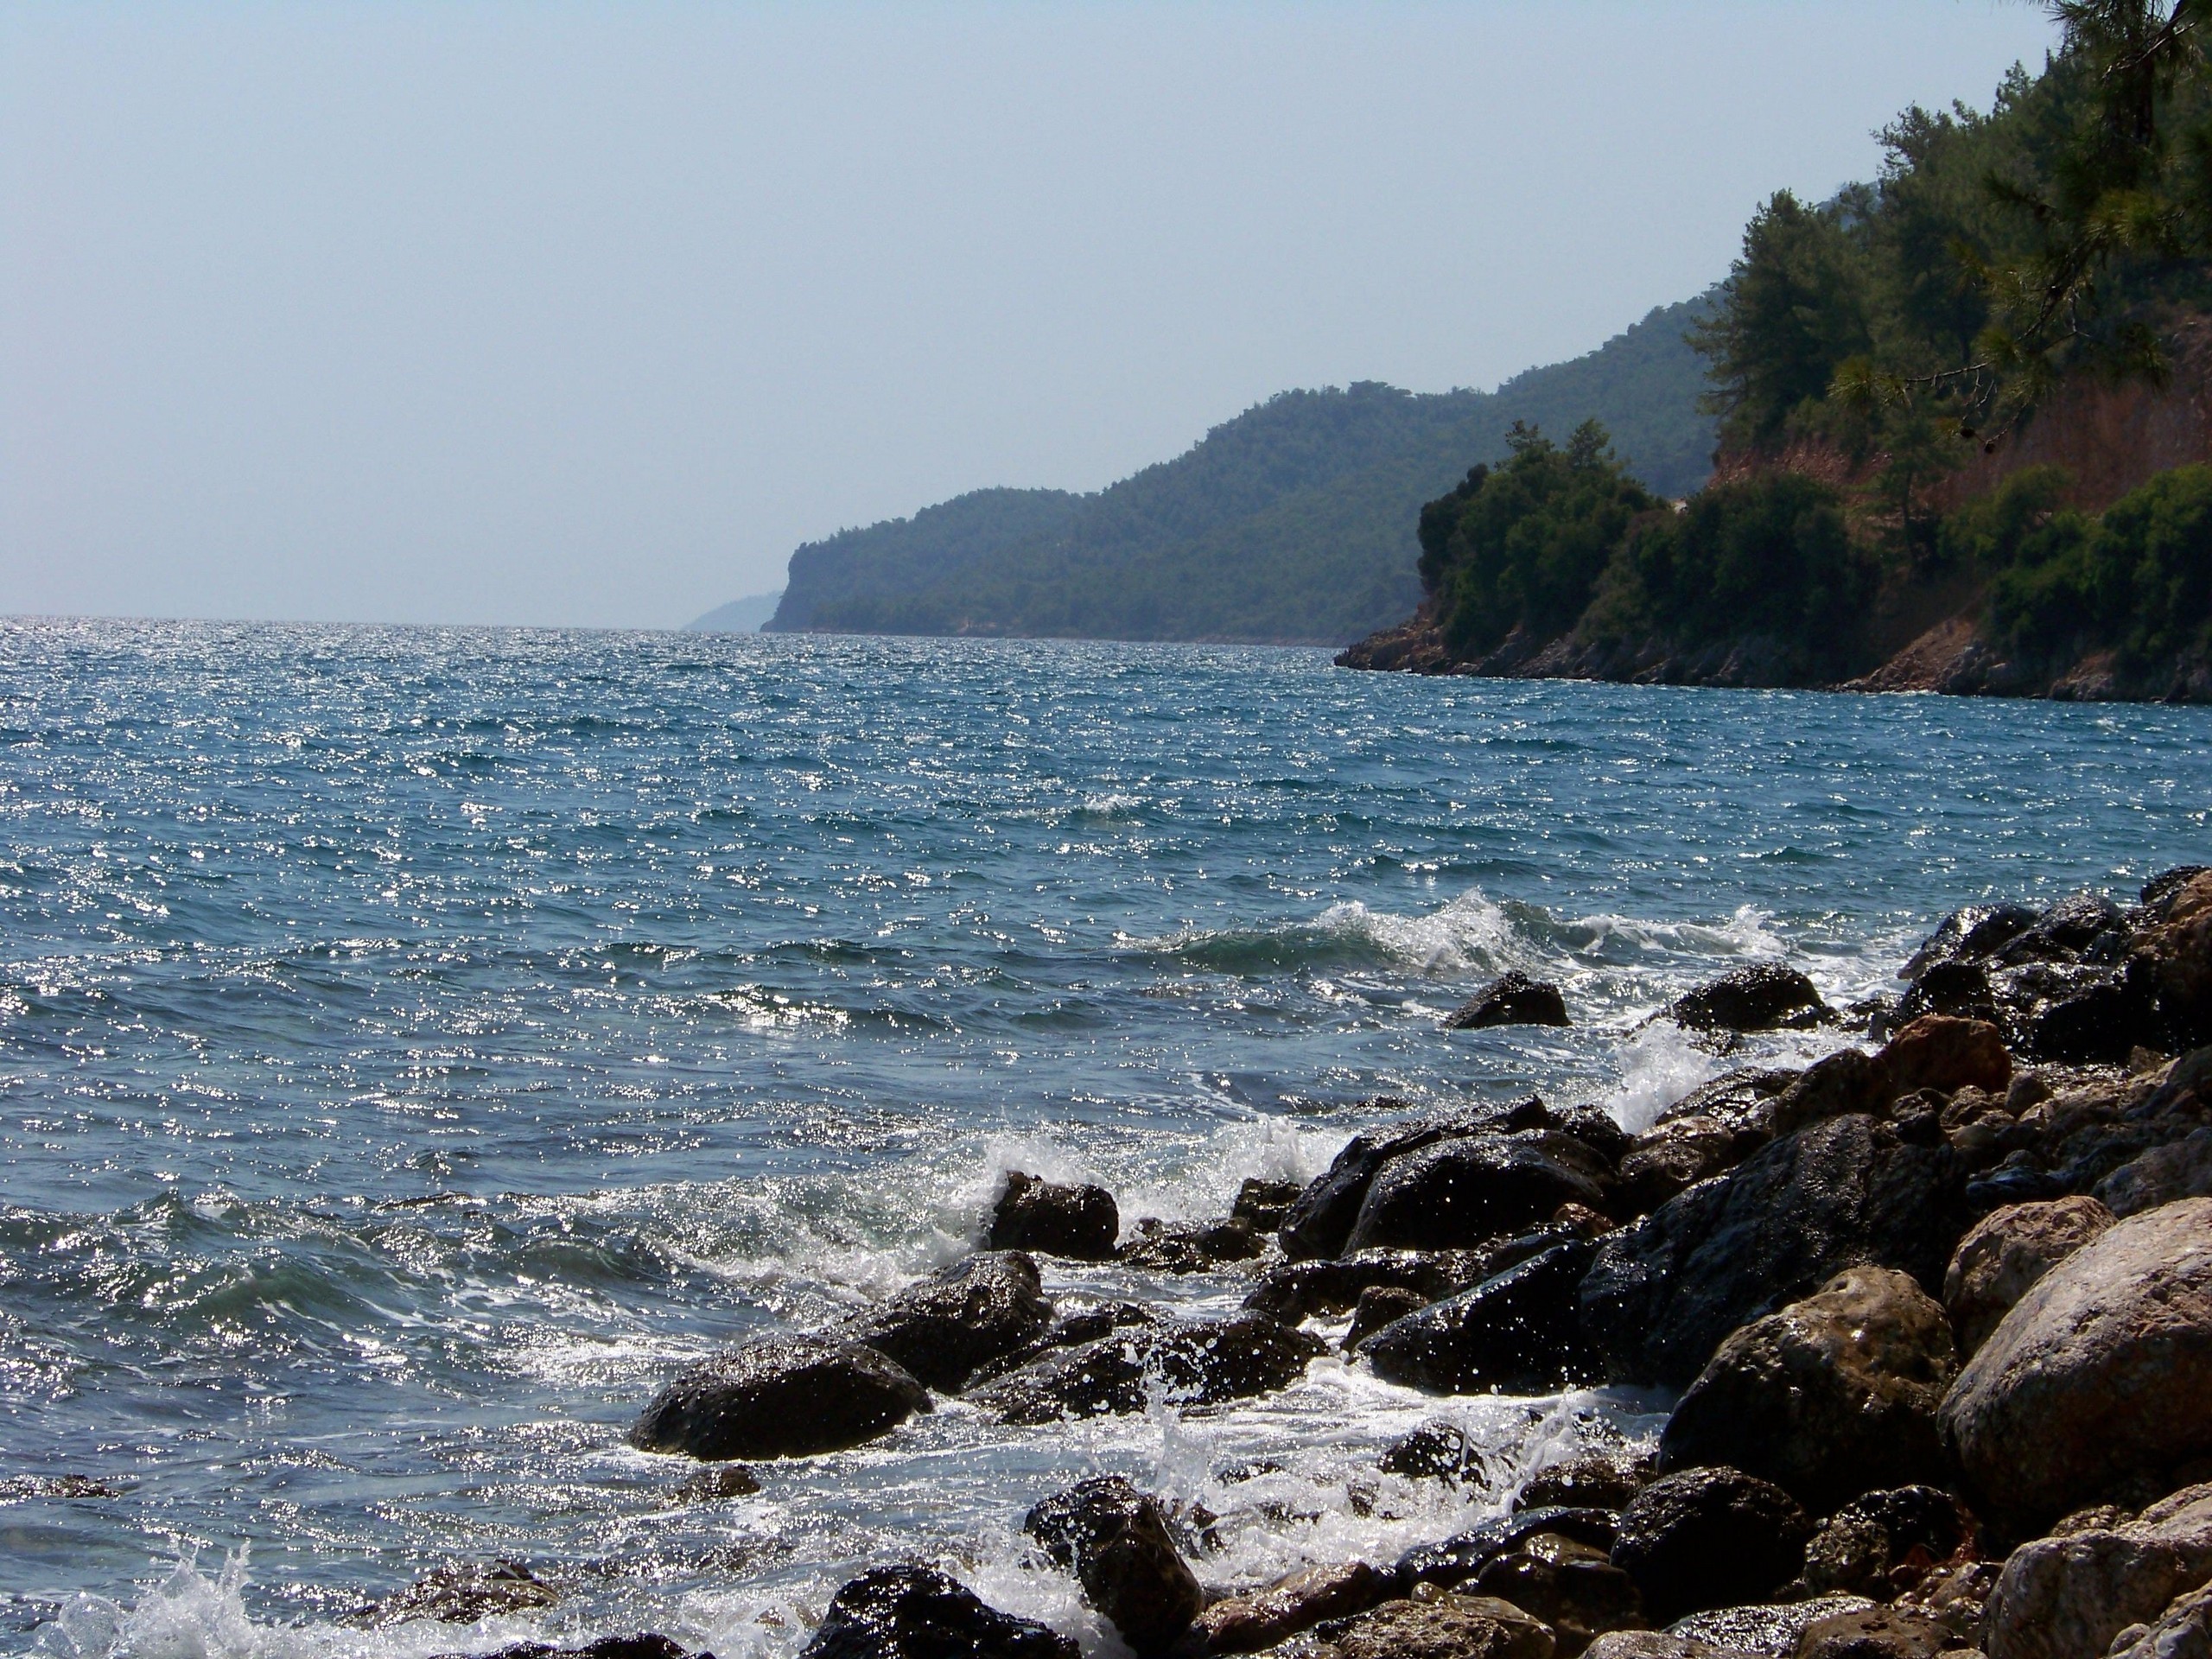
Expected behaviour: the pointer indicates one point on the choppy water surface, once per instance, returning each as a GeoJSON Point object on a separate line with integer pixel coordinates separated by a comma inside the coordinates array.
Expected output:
{"type": "Point", "coordinates": [414, 1044]}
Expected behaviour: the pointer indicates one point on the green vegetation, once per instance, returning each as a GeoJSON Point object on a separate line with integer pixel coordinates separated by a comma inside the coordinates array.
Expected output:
{"type": "Point", "coordinates": [1292, 523]}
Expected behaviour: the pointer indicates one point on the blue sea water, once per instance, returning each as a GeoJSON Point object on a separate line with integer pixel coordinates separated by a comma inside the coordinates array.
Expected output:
{"type": "Point", "coordinates": [414, 1044]}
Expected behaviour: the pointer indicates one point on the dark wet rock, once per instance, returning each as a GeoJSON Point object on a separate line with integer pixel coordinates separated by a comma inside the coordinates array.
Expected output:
{"type": "Point", "coordinates": [1709, 1538]}
{"type": "Point", "coordinates": [2082, 1015]}
{"type": "Point", "coordinates": [1773, 1632]}
{"type": "Point", "coordinates": [1464, 1556]}
{"type": "Point", "coordinates": [1599, 1130]}
{"type": "Point", "coordinates": [462, 1593]}
{"type": "Point", "coordinates": [1954, 1594]}
{"type": "Point", "coordinates": [1572, 1587]}
{"type": "Point", "coordinates": [1664, 1292]}
{"type": "Point", "coordinates": [2103, 1369]}
{"type": "Point", "coordinates": [916, 1612]}
{"type": "Point", "coordinates": [1262, 1204]}
{"type": "Point", "coordinates": [1657, 1644]}
{"type": "Point", "coordinates": [646, 1646]}
{"type": "Point", "coordinates": [1677, 1156]}
{"type": "Point", "coordinates": [1252, 1623]}
{"type": "Point", "coordinates": [1446, 1627]}
{"type": "Point", "coordinates": [2162, 889]}
{"type": "Point", "coordinates": [1190, 1246]}
{"type": "Point", "coordinates": [784, 1397]}
{"type": "Point", "coordinates": [1071, 1329]}
{"type": "Point", "coordinates": [68, 1486]}
{"type": "Point", "coordinates": [1200, 1364]}
{"type": "Point", "coordinates": [2064, 932]}
{"type": "Point", "coordinates": [716, 1483]}
{"type": "Point", "coordinates": [2175, 960]}
{"type": "Point", "coordinates": [1436, 1451]}
{"type": "Point", "coordinates": [1970, 935]}
{"type": "Point", "coordinates": [1958, 988]}
{"type": "Point", "coordinates": [1763, 997]}
{"type": "Point", "coordinates": [1378, 1306]}
{"type": "Point", "coordinates": [1458, 1193]}
{"type": "Point", "coordinates": [2075, 1592]}
{"type": "Point", "coordinates": [1836, 1085]}
{"type": "Point", "coordinates": [1511, 999]}
{"type": "Point", "coordinates": [1743, 1101]}
{"type": "Point", "coordinates": [1827, 1397]}
{"type": "Point", "coordinates": [1297, 1290]}
{"type": "Point", "coordinates": [1597, 1480]}
{"type": "Point", "coordinates": [1520, 1332]}
{"type": "Point", "coordinates": [1877, 1633]}
{"type": "Point", "coordinates": [1079, 1223]}
{"type": "Point", "coordinates": [2004, 1253]}
{"type": "Point", "coordinates": [1883, 1543]}
{"type": "Point", "coordinates": [946, 1326]}
{"type": "Point", "coordinates": [1321, 1220]}
{"type": "Point", "coordinates": [1116, 1542]}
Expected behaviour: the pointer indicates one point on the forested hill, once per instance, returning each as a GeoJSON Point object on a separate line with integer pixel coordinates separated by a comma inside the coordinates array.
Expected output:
{"type": "Point", "coordinates": [1294, 522]}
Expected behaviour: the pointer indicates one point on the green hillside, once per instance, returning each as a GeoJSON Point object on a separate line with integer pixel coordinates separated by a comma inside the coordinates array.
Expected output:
{"type": "Point", "coordinates": [1294, 522]}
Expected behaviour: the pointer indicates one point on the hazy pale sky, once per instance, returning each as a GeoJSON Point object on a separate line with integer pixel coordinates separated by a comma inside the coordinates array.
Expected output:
{"type": "Point", "coordinates": [530, 312]}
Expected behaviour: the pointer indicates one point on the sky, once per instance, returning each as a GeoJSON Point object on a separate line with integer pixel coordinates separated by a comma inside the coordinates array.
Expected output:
{"type": "Point", "coordinates": [547, 313]}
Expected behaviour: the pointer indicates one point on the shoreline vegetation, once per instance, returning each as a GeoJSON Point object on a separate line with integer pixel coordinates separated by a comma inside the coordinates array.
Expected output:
{"type": "Point", "coordinates": [1934, 1316]}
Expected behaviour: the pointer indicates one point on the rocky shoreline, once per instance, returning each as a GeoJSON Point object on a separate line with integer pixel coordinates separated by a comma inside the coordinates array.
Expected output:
{"type": "Point", "coordinates": [1936, 1313]}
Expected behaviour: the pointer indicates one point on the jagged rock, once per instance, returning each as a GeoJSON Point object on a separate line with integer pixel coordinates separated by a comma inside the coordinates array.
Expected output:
{"type": "Point", "coordinates": [1878, 1633]}
{"type": "Point", "coordinates": [1520, 1332]}
{"type": "Point", "coordinates": [1573, 1587]}
{"type": "Point", "coordinates": [462, 1593]}
{"type": "Point", "coordinates": [2165, 1174]}
{"type": "Point", "coordinates": [1464, 1556]}
{"type": "Point", "coordinates": [784, 1397]}
{"type": "Point", "coordinates": [2074, 1593]}
{"type": "Point", "coordinates": [1321, 1220]}
{"type": "Point", "coordinates": [1378, 1306]}
{"type": "Point", "coordinates": [1262, 1204]}
{"type": "Point", "coordinates": [1763, 997]}
{"type": "Point", "coordinates": [1435, 1451]}
{"type": "Point", "coordinates": [2005, 1252]}
{"type": "Point", "coordinates": [943, 1329]}
{"type": "Point", "coordinates": [1296, 1290]}
{"type": "Point", "coordinates": [1194, 1363]}
{"type": "Point", "coordinates": [1448, 1627]}
{"type": "Point", "coordinates": [1970, 935]}
{"type": "Point", "coordinates": [1665, 1292]}
{"type": "Point", "coordinates": [1511, 999]}
{"type": "Point", "coordinates": [1115, 1539]}
{"type": "Point", "coordinates": [1828, 1398]}
{"type": "Point", "coordinates": [1190, 1246]}
{"type": "Point", "coordinates": [1873, 1545]}
{"type": "Point", "coordinates": [2092, 1388]}
{"type": "Point", "coordinates": [1773, 1631]}
{"type": "Point", "coordinates": [1261, 1620]}
{"type": "Point", "coordinates": [1709, 1538]}
{"type": "Point", "coordinates": [2183, 1632]}
{"type": "Point", "coordinates": [1597, 1480]}
{"type": "Point", "coordinates": [1458, 1193]}
{"type": "Point", "coordinates": [916, 1612]}
{"type": "Point", "coordinates": [1079, 1223]}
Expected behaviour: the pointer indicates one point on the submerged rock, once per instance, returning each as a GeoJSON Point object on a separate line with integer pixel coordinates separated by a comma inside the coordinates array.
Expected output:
{"type": "Point", "coordinates": [1195, 1363]}
{"type": "Point", "coordinates": [1459, 1193]}
{"type": "Point", "coordinates": [784, 1397]}
{"type": "Point", "coordinates": [1114, 1539]}
{"type": "Point", "coordinates": [2092, 1388]}
{"type": "Point", "coordinates": [1511, 999]}
{"type": "Point", "coordinates": [2004, 1253]}
{"type": "Point", "coordinates": [1765, 997]}
{"type": "Point", "coordinates": [463, 1593]}
{"type": "Point", "coordinates": [1071, 1329]}
{"type": "Point", "coordinates": [2075, 1592]}
{"type": "Point", "coordinates": [1436, 1451]}
{"type": "Point", "coordinates": [1828, 1398]}
{"type": "Point", "coordinates": [1079, 1223]}
{"type": "Point", "coordinates": [946, 1326]}
{"type": "Point", "coordinates": [1709, 1538]}
{"type": "Point", "coordinates": [916, 1612]}
{"type": "Point", "coordinates": [1520, 1332]}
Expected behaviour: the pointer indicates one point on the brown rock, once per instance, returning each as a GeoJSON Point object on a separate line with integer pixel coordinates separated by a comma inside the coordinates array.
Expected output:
{"type": "Point", "coordinates": [2059, 1597]}
{"type": "Point", "coordinates": [1249, 1624]}
{"type": "Point", "coordinates": [1883, 1633]}
{"type": "Point", "coordinates": [2165, 1174]}
{"type": "Point", "coordinates": [1938, 1051]}
{"type": "Point", "coordinates": [2006, 1252]}
{"type": "Point", "coordinates": [1657, 1644]}
{"type": "Point", "coordinates": [1572, 1587]}
{"type": "Point", "coordinates": [2091, 1389]}
{"type": "Point", "coordinates": [1446, 1627]}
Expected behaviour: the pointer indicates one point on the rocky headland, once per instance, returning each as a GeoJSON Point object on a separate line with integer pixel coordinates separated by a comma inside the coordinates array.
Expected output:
{"type": "Point", "coordinates": [1935, 1314]}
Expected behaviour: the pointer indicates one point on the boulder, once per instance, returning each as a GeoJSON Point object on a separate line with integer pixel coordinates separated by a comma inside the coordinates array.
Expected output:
{"type": "Point", "coordinates": [1114, 1539]}
{"type": "Point", "coordinates": [647, 1645]}
{"type": "Point", "coordinates": [1828, 1398]}
{"type": "Point", "coordinates": [1742, 1101]}
{"type": "Point", "coordinates": [1664, 1292]}
{"type": "Point", "coordinates": [1201, 1363]}
{"type": "Point", "coordinates": [1657, 1644]}
{"type": "Point", "coordinates": [946, 1326]}
{"type": "Point", "coordinates": [1520, 1332]}
{"type": "Point", "coordinates": [1763, 997]}
{"type": "Point", "coordinates": [1709, 1538]}
{"type": "Point", "coordinates": [1262, 1204]}
{"type": "Point", "coordinates": [1446, 1627]}
{"type": "Point", "coordinates": [1321, 1220]}
{"type": "Point", "coordinates": [1939, 1051]}
{"type": "Point", "coordinates": [1969, 935]}
{"type": "Point", "coordinates": [1461, 1192]}
{"type": "Point", "coordinates": [1959, 989]}
{"type": "Point", "coordinates": [1596, 1480]}
{"type": "Point", "coordinates": [2165, 1174]}
{"type": "Point", "coordinates": [2183, 1632]}
{"type": "Point", "coordinates": [2005, 1252]}
{"type": "Point", "coordinates": [1464, 1556]}
{"type": "Point", "coordinates": [1677, 1156]}
{"type": "Point", "coordinates": [2176, 955]}
{"type": "Point", "coordinates": [1296, 1290]}
{"type": "Point", "coordinates": [1848, 1081]}
{"type": "Point", "coordinates": [1251, 1623]}
{"type": "Point", "coordinates": [2091, 1389]}
{"type": "Point", "coordinates": [783, 1397]}
{"type": "Point", "coordinates": [1436, 1451]}
{"type": "Point", "coordinates": [916, 1612]}
{"type": "Point", "coordinates": [1378, 1306]}
{"type": "Point", "coordinates": [2074, 1593]}
{"type": "Point", "coordinates": [1571, 1586]}
{"type": "Point", "coordinates": [1883, 1542]}
{"type": "Point", "coordinates": [2063, 932]}
{"type": "Point", "coordinates": [1190, 1246]}
{"type": "Point", "coordinates": [1071, 1329]}
{"type": "Point", "coordinates": [1954, 1594]}
{"type": "Point", "coordinates": [1877, 1633]}
{"type": "Point", "coordinates": [1511, 999]}
{"type": "Point", "coordinates": [1079, 1223]}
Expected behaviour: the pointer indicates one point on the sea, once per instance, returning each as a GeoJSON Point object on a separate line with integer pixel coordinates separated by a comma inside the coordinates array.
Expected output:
{"type": "Point", "coordinates": [417, 1044]}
